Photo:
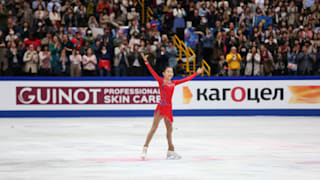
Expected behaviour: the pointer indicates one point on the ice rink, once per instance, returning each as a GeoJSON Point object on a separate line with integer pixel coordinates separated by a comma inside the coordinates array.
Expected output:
{"type": "Point", "coordinates": [212, 148]}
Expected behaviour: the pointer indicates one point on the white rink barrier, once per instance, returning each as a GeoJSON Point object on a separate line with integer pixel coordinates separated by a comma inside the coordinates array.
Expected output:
{"type": "Point", "coordinates": [97, 97]}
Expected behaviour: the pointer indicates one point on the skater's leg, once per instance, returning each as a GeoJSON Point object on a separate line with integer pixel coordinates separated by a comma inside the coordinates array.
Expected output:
{"type": "Point", "coordinates": [169, 134]}
{"type": "Point", "coordinates": [155, 124]}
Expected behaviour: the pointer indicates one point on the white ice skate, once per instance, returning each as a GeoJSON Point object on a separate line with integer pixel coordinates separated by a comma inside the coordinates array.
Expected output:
{"type": "Point", "coordinates": [144, 153]}
{"type": "Point", "coordinates": [171, 155]}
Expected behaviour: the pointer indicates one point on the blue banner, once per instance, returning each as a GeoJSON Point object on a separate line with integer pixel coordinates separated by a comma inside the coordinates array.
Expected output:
{"type": "Point", "coordinates": [190, 39]}
{"type": "Point", "coordinates": [266, 20]}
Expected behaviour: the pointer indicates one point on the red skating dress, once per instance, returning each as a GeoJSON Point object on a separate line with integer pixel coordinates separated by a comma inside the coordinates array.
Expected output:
{"type": "Point", "coordinates": [166, 92]}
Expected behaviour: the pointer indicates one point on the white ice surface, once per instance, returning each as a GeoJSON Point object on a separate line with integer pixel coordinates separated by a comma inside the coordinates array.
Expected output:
{"type": "Point", "coordinates": [221, 148]}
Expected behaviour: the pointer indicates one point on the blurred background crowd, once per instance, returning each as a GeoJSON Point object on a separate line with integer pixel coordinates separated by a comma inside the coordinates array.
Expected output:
{"type": "Point", "coordinates": [106, 37]}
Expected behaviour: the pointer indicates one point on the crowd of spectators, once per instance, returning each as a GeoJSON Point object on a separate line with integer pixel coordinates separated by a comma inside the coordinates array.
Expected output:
{"type": "Point", "coordinates": [86, 37]}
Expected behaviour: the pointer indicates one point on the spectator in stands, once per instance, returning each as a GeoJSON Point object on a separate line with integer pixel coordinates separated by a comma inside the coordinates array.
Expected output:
{"type": "Point", "coordinates": [280, 63]}
{"type": "Point", "coordinates": [3, 17]}
{"type": "Point", "coordinates": [66, 44]}
{"type": "Point", "coordinates": [179, 70]}
{"type": "Point", "coordinates": [107, 19]}
{"type": "Point", "coordinates": [45, 58]}
{"type": "Point", "coordinates": [134, 40]}
{"type": "Point", "coordinates": [64, 63]}
{"type": "Point", "coordinates": [208, 44]}
{"type": "Point", "coordinates": [75, 63]}
{"type": "Point", "coordinates": [162, 60]}
{"type": "Point", "coordinates": [234, 23]}
{"type": "Point", "coordinates": [77, 40]}
{"type": "Point", "coordinates": [103, 4]}
{"type": "Point", "coordinates": [11, 36]}
{"type": "Point", "coordinates": [30, 59]}
{"type": "Point", "coordinates": [15, 60]}
{"type": "Point", "coordinates": [104, 60]}
{"type": "Point", "coordinates": [89, 63]}
{"type": "Point", "coordinates": [266, 62]}
{"type": "Point", "coordinates": [55, 50]}
{"type": "Point", "coordinates": [271, 45]}
{"type": "Point", "coordinates": [36, 3]}
{"type": "Point", "coordinates": [136, 62]}
{"type": "Point", "coordinates": [179, 14]}
{"type": "Point", "coordinates": [4, 63]}
{"type": "Point", "coordinates": [54, 15]}
{"type": "Point", "coordinates": [172, 54]}
{"type": "Point", "coordinates": [292, 58]}
{"type": "Point", "coordinates": [25, 13]}
{"type": "Point", "coordinates": [195, 18]}
{"type": "Point", "coordinates": [53, 3]}
{"type": "Point", "coordinates": [121, 62]}
{"type": "Point", "coordinates": [253, 63]}
{"type": "Point", "coordinates": [305, 62]}
{"type": "Point", "coordinates": [69, 18]}
{"type": "Point", "coordinates": [41, 14]}
{"type": "Point", "coordinates": [233, 59]}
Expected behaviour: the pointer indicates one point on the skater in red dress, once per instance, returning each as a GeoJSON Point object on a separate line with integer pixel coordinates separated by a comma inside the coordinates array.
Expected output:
{"type": "Point", "coordinates": [164, 108]}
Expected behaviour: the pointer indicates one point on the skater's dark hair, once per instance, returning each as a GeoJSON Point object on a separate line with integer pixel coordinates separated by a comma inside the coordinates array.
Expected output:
{"type": "Point", "coordinates": [167, 68]}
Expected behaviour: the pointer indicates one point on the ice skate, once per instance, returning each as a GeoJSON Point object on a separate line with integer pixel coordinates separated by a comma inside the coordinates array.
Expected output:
{"type": "Point", "coordinates": [171, 155]}
{"type": "Point", "coordinates": [144, 153]}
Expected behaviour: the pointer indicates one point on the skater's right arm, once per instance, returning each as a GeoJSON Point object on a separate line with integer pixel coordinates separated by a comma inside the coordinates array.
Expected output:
{"type": "Point", "coordinates": [154, 74]}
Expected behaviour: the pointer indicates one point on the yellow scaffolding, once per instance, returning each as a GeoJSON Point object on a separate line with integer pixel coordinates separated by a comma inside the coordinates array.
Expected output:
{"type": "Point", "coordinates": [190, 55]}
{"type": "Point", "coordinates": [149, 12]}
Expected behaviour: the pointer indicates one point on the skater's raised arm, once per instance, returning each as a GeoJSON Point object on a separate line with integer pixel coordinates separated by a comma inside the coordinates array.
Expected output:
{"type": "Point", "coordinates": [154, 74]}
{"type": "Point", "coordinates": [177, 82]}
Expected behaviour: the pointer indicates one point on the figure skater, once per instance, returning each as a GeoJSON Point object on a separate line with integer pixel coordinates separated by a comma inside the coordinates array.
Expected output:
{"type": "Point", "coordinates": [164, 108]}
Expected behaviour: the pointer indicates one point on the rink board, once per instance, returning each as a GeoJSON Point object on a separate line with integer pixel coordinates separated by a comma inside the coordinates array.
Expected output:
{"type": "Point", "coordinates": [126, 97]}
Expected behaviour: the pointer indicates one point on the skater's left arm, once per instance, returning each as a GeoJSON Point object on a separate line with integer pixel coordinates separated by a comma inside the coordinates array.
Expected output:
{"type": "Point", "coordinates": [177, 82]}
